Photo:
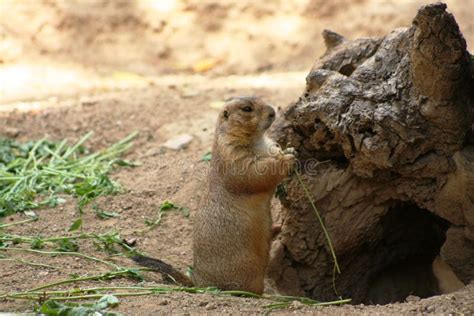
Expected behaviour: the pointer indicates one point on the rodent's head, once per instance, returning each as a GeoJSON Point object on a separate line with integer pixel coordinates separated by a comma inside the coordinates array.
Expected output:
{"type": "Point", "coordinates": [245, 118]}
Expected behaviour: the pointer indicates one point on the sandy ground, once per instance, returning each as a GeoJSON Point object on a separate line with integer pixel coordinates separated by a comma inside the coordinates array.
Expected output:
{"type": "Point", "coordinates": [77, 47]}
{"type": "Point", "coordinates": [114, 68]}
{"type": "Point", "coordinates": [163, 175]}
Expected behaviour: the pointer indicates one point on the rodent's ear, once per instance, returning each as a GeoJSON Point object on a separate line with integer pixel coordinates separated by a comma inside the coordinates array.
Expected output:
{"type": "Point", "coordinates": [226, 115]}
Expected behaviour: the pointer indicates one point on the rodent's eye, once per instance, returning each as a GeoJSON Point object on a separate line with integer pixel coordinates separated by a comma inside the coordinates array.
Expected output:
{"type": "Point", "coordinates": [247, 108]}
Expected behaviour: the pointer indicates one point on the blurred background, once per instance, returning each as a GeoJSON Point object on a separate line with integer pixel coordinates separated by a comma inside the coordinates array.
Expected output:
{"type": "Point", "coordinates": [64, 47]}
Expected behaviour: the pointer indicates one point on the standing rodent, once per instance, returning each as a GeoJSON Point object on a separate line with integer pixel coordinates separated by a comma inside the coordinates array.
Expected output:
{"type": "Point", "coordinates": [232, 228]}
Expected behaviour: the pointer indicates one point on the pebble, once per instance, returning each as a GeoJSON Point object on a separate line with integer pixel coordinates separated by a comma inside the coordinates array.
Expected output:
{"type": "Point", "coordinates": [210, 306]}
{"type": "Point", "coordinates": [12, 132]}
{"type": "Point", "coordinates": [163, 302]}
{"type": "Point", "coordinates": [297, 305]}
{"type": "Point", "coordinates": [430, 308]}
{"type": "Point", "coordinates": [178, 142]}
{"type": "Point", "coordinates": [126, 206]}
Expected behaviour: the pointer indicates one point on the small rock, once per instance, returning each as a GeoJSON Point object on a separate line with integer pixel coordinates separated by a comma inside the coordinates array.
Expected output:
{"type": "Point", "coordinates": [203, 303]}
{"type": "Point", "coordinates": [129, 241]}
{"type": "Point", "coordinates": [163, 302]}
{"type": "Point", "coordinates": [12, 132]}
{"type": "Point", "coordinates": [430, 308]}
{"type": "Point", "coordinates": [412, 298]}
{"type": "Point", "coordinates": [210, 306]}
{"type": "Point", "coordinates": [297, 305]}
{"type": "Point", "coordinates": [127, 206]}
{"type": "Point", "coordinates": [30, 213]}
{"type": "Point", "coordinates": [179, 142]}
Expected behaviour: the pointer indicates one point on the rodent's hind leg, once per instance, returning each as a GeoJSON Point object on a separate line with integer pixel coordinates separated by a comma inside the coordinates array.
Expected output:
{"type": "Point", "coordinates": [257, 286]}
{"type": "Point", "coordinates": [253, 284]}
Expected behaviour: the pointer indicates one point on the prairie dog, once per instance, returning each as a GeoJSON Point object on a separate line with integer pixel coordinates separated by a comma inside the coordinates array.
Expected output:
{"type": "Point", "coordinates": [233, 227]}
{"type": "Point", "coordinates": [448, 282]}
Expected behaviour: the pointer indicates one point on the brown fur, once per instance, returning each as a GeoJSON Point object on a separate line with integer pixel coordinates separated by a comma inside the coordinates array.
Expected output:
{"type": "Point", "coordinates": [233, 227]}
{"type": "Point", "coordinates": [448, 282]}
{"type": "Point", "coordinates": [232, 230]}
{"type": "Point", "coordinates": [169, 273]}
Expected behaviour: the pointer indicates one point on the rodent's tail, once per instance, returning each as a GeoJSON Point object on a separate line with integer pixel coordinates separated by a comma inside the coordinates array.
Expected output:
{"type": "Point", "coordinates": [167, 271]}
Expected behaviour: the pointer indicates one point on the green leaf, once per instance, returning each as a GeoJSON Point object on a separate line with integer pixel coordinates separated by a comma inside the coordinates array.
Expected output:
{"type": "Point", "coordinates": [99, 308]}
{"type": "Point", "coordinates": [105, 301]}
{"type": "Point", "coordinates": [67, 245]}
{"type": "Point", "coordinates": [76, 225]}
{"type": "Point", "coordinates": [135, 274]}
{"type": "Point", "coordinates": [207, 156]}
{"type": "Point", "coordinates": [32, 174]}
{"type": "Point", "coordinates": [37, 243]}
{"type": "Point", "coordinates": [167, 205]}
{"type": "Point", "coordinates": [54, 201]}
{"type": "Point", "coordinates": [104, 214]}
{"type": "Point", "coordinates": [51, 308]}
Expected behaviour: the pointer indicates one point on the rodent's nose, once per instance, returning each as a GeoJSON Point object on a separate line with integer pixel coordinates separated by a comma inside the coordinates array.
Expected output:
{"type": "Point", "coordinates": [272, 113]}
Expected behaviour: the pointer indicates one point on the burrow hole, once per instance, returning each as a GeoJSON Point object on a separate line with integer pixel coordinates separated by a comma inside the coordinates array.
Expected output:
{"type": "Point", "coordinates": [411, 240]}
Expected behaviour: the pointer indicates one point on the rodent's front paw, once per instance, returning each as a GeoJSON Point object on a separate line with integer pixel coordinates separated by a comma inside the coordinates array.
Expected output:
{"type": "Point", "coordinates": [289, 163]}
{"type": "Point", "coordinates": [290, 150]}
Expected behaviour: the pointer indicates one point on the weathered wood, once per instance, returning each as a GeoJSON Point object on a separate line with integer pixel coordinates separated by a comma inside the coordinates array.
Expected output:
{"type": "Point", "coordinates": [393, 117]}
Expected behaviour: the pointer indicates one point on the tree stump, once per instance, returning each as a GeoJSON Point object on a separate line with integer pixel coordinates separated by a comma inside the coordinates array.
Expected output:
{"type": "Point", "coordinates": [384, 135]}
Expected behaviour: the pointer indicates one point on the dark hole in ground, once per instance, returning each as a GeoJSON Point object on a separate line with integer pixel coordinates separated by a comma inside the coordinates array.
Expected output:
{"type": "Point", "coordinates": [411, 238]}
{"type": "Point", "coordinates": [347, 70]}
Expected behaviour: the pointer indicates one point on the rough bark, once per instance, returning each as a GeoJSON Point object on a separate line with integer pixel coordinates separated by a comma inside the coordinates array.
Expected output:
{"type": "Point", "coordinates": [391, 118]}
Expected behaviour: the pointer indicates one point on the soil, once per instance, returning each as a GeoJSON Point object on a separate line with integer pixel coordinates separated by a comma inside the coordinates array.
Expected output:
{"type": "Point", "coordinates": [62, 77]}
